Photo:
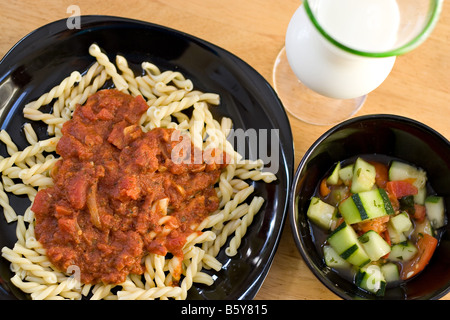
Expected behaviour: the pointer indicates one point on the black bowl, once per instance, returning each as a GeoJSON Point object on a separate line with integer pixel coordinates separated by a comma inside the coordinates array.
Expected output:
{"type": "Point", "coordinates": [387, 135]}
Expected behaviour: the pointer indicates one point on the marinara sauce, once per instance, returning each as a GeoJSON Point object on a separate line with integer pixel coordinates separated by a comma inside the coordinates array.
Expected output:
{"type": "Point", "coordinates": [119, 193]}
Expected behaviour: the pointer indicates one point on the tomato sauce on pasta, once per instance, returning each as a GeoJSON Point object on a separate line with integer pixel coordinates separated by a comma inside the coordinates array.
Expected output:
{"type": "Point", "coordinates": [120, 193]}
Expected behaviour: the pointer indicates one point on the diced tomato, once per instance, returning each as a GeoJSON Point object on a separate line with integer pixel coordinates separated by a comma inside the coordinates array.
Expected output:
{"type": "Point", "coordinates": [157, 246]}
{"type": "Point", "coordinates": [401, 188]}
{"type": "Point", "coordinates": [129, 187]}
{"type": "Point", "coordinates": [394, 201]}
{"type": "Point", "coordinates": [324, 190]}
{"type": "Point", "coordinates": [379, 225]}
{"type": "Point", "coordinates": [68, 225]}
{"type": "Point", "coordinates": [419, 212]}
{"type": "Point", "coordinates": [386, 237]}
{"type": "Point", "coordinates": [41, 202]}
{"type": "Point", "coordinates": [426, 246]}
{"type": "Point", "coordinates": [62, 210]}
{"type": "Point", "coordinates": [382, 175]}
{"type": "Point", "coordinates": [77, 187]}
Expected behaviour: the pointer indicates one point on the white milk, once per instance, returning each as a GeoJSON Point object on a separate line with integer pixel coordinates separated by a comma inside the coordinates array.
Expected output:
{"type": "Point", "coordinates": [365, 25]}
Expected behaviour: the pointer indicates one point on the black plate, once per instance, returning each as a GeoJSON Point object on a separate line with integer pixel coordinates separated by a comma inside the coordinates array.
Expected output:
{"type": "Point", "coordinates": [44, 57]}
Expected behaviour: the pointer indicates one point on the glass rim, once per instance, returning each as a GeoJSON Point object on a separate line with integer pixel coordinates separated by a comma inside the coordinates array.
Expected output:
{"type": "Point", "coordinates": [435, 10]}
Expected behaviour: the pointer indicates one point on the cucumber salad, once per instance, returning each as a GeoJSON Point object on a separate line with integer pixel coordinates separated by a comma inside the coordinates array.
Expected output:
{"type": "Point", "coordinates": [380, 220]}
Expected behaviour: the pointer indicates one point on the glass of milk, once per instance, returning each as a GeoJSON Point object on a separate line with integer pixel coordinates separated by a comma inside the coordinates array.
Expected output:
{"type": "Point", "coordinates": [337, 51]}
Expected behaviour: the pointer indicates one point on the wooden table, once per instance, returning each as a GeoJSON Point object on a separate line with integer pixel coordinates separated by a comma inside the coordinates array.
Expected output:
{"type": "Point", "coordinates": [254, 30]}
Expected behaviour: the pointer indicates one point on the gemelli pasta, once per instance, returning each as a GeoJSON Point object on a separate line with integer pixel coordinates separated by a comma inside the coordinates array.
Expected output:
{"type": "Point", "coordinates": [168, 95]}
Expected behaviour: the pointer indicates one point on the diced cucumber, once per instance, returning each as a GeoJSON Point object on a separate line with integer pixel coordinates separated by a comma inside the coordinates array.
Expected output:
{"type": "Point", "coordinates": [344, 241]}
{"type": "Point", "coordinates": [373, 203]}
{"type": "Point", "coordinates": [435, 211]}
{"type": "Point", "coordinates": [333, 259]}
{"type": "Point", "coordinates": [363, 176]}
{"type": "Point", "coordinates": [422, 228]}
{"type": "Point", "coordinates": [321, 213]}
{"type": "Point", "coordinates": [390, 272]}
{"type": "Point", "coordinates": [337, 194]}
{"type": "Point", "coordinates": [371, 278]}
{"type": "Point", "coordinates": [374, 245]}
{"type": "Point", "coordinates": [352, 211]}
{"type": "Point", "coordinates": [333, 179]}
{"type": "Point", "coordinates": [362, 206]}
{"type": "Point", "coordinates": [401, 222]}
{"type": "Point", "coordinates": [394, 235]}
{"type": "Point", "coordinates": [387, 202]}
{"type": "Point", "coordinates": [346, 174]}
{"type": "Point", "coordinates": [402, 171]}
{"type": "Point", "coordinates": [420, 196]}
{"type": "Point", "coordinates": [403, 251]}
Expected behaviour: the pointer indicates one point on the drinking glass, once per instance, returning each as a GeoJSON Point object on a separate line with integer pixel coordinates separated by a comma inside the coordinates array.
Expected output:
{"type": "Point", "coordinates": [338, 51]}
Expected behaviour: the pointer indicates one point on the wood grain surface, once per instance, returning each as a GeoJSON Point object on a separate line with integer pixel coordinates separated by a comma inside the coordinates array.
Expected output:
{"type": "Point", "coordinates": [254, 30]}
